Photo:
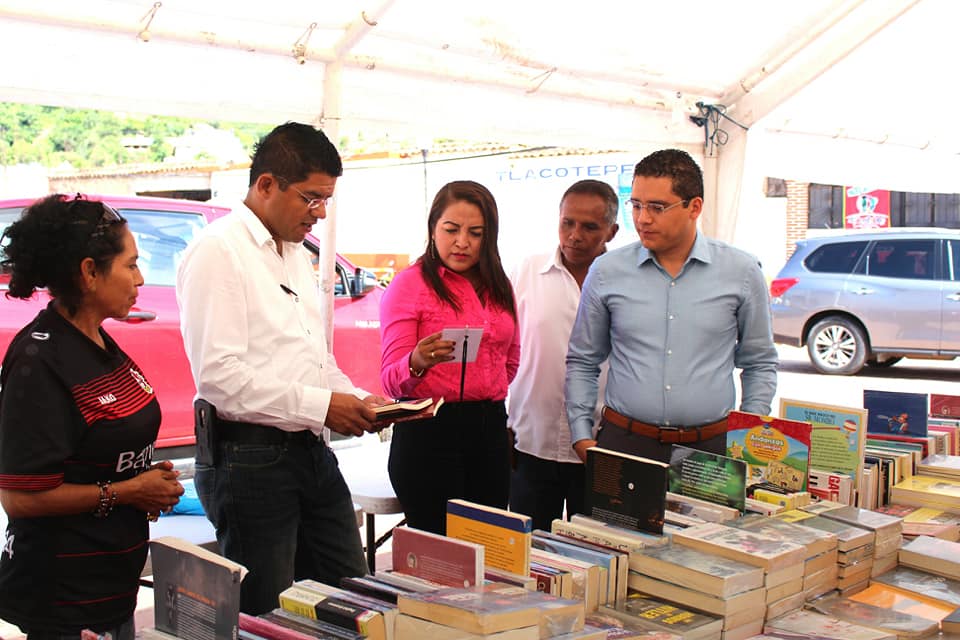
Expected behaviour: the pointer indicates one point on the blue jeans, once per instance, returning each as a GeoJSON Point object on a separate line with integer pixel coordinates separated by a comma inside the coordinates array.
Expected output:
{"type": "Point", "coordinates": [285, 513]}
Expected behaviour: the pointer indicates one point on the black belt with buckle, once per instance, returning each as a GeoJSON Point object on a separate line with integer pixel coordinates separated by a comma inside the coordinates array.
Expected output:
{"type": "Point", "coordinates": [249, 433]}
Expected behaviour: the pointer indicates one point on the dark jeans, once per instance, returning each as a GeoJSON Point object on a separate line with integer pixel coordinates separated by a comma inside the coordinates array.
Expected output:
{"type": "Point", "coordinates": [284, 512]}
{"type": "Point", "coordinates": [124, 631]}
{"type": "Point", "coordinates": [539, 488]}
{"type": "Point", "coordinates": [462, 453]}
{"type": "Point", "coordinates": [613, 437]}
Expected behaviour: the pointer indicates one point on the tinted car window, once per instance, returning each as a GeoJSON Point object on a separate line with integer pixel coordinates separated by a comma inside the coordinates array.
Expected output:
{"type": "Point", "coordinates": [839, 257]}
{"type": "Point", "coordinates": [161, 238]}
{"type": "Point", "coordinates": [913, 259]}
{"type": "Point", "coordinates": [953, 260]}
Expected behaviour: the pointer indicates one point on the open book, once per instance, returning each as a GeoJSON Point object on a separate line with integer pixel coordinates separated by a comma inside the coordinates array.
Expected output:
{"type": "Point", "coordinates": [403, 410]}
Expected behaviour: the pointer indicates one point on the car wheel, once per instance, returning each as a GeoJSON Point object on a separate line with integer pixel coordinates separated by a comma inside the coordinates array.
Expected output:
{"type": "Point", "coordinates": [836, 345]}
{"type": "Point", "coordinates": [883, 364]}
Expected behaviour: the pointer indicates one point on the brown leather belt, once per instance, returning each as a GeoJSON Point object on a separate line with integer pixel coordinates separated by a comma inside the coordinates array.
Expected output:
{"type": "Point", "coordinates": [665, 435]}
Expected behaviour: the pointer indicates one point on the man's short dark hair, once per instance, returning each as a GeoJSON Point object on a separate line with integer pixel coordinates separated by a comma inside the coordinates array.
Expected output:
{"type": "Point", "coordinates": [599, 189]}
{"type": "Point", "coordinates": [684, 173]}
{"type": "Point", "coordinates": [292, 151]}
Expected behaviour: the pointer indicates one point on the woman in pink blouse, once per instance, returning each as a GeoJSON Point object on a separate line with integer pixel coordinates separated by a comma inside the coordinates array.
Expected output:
{"type": "Point", "coordinates": [457, 282]}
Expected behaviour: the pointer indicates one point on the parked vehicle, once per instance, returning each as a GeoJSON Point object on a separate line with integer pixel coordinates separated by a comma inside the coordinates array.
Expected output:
{"type": "Point", "coordinates": [871, 299]}
{"type": "Point", "coordinates": [151, 333]}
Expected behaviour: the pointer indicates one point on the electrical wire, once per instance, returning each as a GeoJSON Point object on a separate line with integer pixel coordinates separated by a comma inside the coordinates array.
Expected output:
{"type": "Point", "coordinates": [709, 118]}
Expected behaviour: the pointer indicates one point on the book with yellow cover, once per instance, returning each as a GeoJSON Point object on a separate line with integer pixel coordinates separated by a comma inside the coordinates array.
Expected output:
{"type": "Point", "coordinates": [891, 598]}
{"type": "Point", "coordinates": [927, 491]}
{"type": "Point", "coordinates": [504, 535]}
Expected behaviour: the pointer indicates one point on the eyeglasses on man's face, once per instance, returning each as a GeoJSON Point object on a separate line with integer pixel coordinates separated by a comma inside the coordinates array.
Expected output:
{"type": "Point", "coordinates": [654, 208]}
{"type": "Point", "coordinates": [312, 203]}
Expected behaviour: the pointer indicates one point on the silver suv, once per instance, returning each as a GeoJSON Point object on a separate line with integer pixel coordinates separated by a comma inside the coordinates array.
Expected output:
{"type": "Point", "coordinates": [871, 298]}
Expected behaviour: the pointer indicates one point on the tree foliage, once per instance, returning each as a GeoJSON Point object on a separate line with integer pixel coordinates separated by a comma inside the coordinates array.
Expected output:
{"type": "Point", "coordinates": [86, 139]}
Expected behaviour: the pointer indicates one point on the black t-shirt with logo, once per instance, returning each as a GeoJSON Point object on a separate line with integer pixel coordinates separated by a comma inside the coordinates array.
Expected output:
{"type": "Point", "coordinates": [71, 412]}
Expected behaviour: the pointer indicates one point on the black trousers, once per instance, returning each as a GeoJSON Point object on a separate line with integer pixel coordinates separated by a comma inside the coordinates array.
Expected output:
{"type": "Point", "coordinates": [463, 453]}
{"type": "Point", "coordinates": [539, 488]}
{"type": "Point", "coordinates": [613, 437]}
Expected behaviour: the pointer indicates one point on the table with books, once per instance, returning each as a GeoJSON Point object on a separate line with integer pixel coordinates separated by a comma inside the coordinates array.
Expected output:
{"type": "Point", "coordinates": [364, 467]}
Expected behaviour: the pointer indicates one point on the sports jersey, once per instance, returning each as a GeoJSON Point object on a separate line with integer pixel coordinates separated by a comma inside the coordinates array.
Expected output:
{"type": "Point", "coordinates": [71, 412]}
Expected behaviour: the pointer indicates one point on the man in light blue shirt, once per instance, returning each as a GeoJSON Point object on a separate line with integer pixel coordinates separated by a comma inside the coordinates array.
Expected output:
{"type": "Point", "coordinates": [675, 313]}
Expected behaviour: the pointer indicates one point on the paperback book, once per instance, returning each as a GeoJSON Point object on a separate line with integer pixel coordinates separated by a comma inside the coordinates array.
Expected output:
{"type": "Point", "coordinates": [770, 553]}
{"type": "Point", "coordinates": [837, 436]}
{"type": "Point", "coordinates": [889, 597]}
{"type": "Point", "coordinates": [931, 491]}
{"type": "Point", "coordinates": [776, 450]}
{"type": "Point", "coordinates": [698, 570]}
{"type": "Point", "coordinates": [818, 625]}
{"type": "Point", "coordinates": [896, 412]}
{"type": "Point", "coordinates": [932, 554]}
{"type": "Point", "coordinates": [708, 476]}
{"type": "Point", "coordinates": [625, 490]}
{"type": "Point", "coordinates": [440, 559]}
{"type": "Point", "coordinates": [504, 535]}
{"type": "Point", "coordinates": [904, 625]}
{"type": "Point", "coordinates": [663, 616]}
{"type": "Point", "coordinates": [944, 406]}
{"type": "Point", "coordinates": [939, 588]}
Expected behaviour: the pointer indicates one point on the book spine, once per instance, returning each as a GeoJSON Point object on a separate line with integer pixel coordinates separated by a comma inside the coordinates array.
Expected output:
{"type": "Point", "coordinates": [267, 629]}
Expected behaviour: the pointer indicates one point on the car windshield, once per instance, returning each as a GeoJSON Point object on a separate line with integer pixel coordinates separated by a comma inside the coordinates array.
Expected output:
{"type": "Point", "coordinates": [161, 238]}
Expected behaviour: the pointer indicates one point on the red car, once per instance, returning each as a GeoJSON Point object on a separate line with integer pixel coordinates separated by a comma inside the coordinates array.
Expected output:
{"type": "Point", "coordinates": [151, 333]}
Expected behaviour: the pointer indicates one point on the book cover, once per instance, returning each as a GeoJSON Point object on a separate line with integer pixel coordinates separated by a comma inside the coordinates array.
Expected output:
{"type": "Point", "coordinates": [736, 603]}
{"type": "Point", "coordinates": [195, 590]}
{"type": "Point", "coordinates": [776, 450]}
{"type": "Point", "coordinates": [505, 535]}
{"type": "Point", "coordinates": [492, 608]}
{"type": "Point", "coordinates": [889, 597]}
{"type": "Point", "coordinates": [310, 626]}
{"type": "Point", "coordinates": [896, 412]}
{"type": "Point", "coordinates": [607, 563]}
{"type": "Point", "coordinates": [931, 491]}
{"type": "Point", "coordinates": [880, 523]}
{"type": "Point", "coordinates": [691, 625]}
{"type": "Point", "coordinates": [406, 582]}
{"type": "Point", "coordinates": [405, 410]}
{"type": "Point", "coordinates": [816, 541]}
{"type": "Point", "coordinates": [939, 588]}
{"type": "Point", "coordinates": [837, 437]}
{"type": "Point", "coordinates": [625, 490]}
{"type": "Point", "coordinates": [940, 465]}
{"type": "Point", "coordinates": [757, 549]}
{"type": "Point", "coordinates": [944, 406]}
{"type": "Point", "coordinates": [932, 554]}
{"type": "Point", "coordinates": [698, 570]}
{"type": "Point", "coordinates": [264, 628]}
{"type": "Point", "coordinates": [412, 628]}
{"type": "Point", "coordinates": [440, 559]}
{"type": "Point", "coordinates": [708, 476]}
{"type": "Point", "coordinates": [617, 625]}
{"type": "Point", "coordinates": [904, 625]}
{"type": "Point", "coordinates": [818, 625]}
{"type": "Point", "coordinates": [832, 485]}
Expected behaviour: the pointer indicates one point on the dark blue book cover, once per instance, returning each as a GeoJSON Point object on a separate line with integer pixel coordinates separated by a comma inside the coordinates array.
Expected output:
{"type": "Point", "coordinates": [896, 413]}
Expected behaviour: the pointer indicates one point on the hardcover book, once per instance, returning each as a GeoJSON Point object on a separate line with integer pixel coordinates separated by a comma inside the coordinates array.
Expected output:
{"type": "Point", "coordinates": [625, 490]}
{"type": "Point", "coordinates": [698, 570]}
{"type": "Point", "coordinates": [896, 412]}
{"type": "Point", "coordinates": [195, 591]}
{"type": "Point", "coordinates": [664, 616]}
{"type": "Point", "coordinates": [505, 535]}
{"type": "Point", "coordinates": [837, 437]}
{"type": "Point", "coordinates": [904, 625]}
{"type": "Point", "coordinates": [708, 476]}
{"type": "Point", "coordinates": [776, 450]}
{"type": "Point", "coordinates": [440, 559]}
{"type": "Point", "coordinates": [755, 549]}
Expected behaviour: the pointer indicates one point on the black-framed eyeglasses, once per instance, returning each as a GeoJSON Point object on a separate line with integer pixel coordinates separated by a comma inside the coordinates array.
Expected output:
{"type": "Point", "coordinates": [655, 208]}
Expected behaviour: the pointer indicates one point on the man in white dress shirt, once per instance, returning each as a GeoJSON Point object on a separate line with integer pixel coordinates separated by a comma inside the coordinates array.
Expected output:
{"type": "Point", "coordinates": [254, 334]}
{"type": "Point", "coordinates": [547, 473]}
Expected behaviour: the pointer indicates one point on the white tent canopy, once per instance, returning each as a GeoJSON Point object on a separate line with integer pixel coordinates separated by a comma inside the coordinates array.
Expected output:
{"type": "Point", "coordinates": [866, 77]}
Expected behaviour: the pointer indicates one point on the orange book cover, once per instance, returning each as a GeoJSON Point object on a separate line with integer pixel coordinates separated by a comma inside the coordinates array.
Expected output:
{"type": "Point", "coordinates": [891, 598]}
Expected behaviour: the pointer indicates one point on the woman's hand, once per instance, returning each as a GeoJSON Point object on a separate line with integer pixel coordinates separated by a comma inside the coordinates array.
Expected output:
{"type": "Point", "coordinates": [152, 491]}
{"type": "Point", "coordinates": [430, 351]}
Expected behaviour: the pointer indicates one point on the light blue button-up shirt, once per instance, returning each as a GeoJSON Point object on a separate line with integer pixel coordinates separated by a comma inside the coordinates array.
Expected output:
{"type": "Point", "coordinates": [672, 343]}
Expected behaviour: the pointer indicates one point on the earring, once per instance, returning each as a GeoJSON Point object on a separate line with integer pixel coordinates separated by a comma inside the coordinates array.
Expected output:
{"type": "Point", "coordinates": [433, 249]}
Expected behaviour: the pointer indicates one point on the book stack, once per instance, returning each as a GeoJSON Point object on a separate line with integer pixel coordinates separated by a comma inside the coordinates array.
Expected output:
{"type": "Point", "coordinates": [316, 603]}
{"type": "Point", "coordinates": [658, 615]}
{"type": "Point", "coordinates": [604, 534]}
{"type": "Point", "coordinates": [729, 589]}
{"type": "Point", "coordinates": [905, 578]}
{"type": "Point", "coordinates": [612, 565]}
{"type": "Point", "coordinates": [810, 624]}
{"type": "Point", "coordinates": [933, 555]}
{"type": "Point", "coordinates": [941, 465]}
{"type": "Point", "coordinates": [937, 492]}
{"type": "Point", "coordinates": [882, 618]}
{"type": "Point", "coordinates": [782, 561]}
{"type": "Point", "coordinates": [820, 568]}
{"type": "Point", "coordinates": [925, 521]}
{"type": "Point", "coordinates": [491, 609]}
{"type": "Point", "coordinates": [697, 511]}
{"type": "Point", "coordinates": [854, 547]}
{"type": "Point", "coordinates": [887, 531]}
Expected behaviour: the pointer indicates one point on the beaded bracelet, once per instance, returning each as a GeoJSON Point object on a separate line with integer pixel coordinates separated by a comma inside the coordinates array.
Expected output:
{"type": "Point", "coordinates": [107, 500]}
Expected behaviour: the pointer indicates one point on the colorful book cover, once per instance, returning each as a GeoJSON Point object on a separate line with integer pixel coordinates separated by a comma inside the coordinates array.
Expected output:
{"type": "Point", "coordinates": [672, 618]}
{"type": "Point", "coordinates": [896, 412]}
{"type": "Point", "coordinates": [505, 535]}
{"type": "Point", "coordinates": [625, 490]}
{"type": "Point", "coordinates": [931, 585]}
{"type": "Point", "coordinates": [698, 570]}
{"type": "Point", "coordinates": [708, 476]}
{"type": "Point", "coordinates": [776, 450]}
{"type": "Point", "coordinates": [441, 559]}
{"type": "Point", "coordinates": [745, 546]}
{"type": "Point", "coordinates": [838, 435]}
{"type": "Point", "coordinates": [944, 406]}
{"type": "Point", "coordinates": [892, 598]}
{"type": "Point", "coordinates": [818, 625]}
{"type": "Point", "coordinates": [868, 615]}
